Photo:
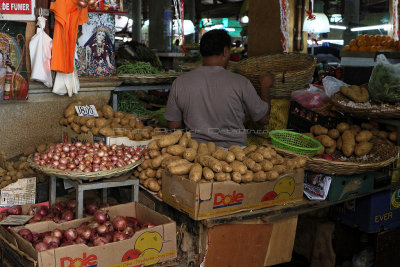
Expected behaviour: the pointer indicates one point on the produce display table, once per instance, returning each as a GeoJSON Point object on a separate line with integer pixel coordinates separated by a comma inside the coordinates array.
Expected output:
{"type": "Point", "coordinates": [137, 88]}
{"type": "Point", "coordinates": [81, 186]}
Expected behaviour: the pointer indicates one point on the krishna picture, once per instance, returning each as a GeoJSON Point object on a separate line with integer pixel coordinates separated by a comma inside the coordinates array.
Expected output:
{"type": "Point", "coordinates": [13, 77]}
{"type": "Point", "coordinates": [95, 51]}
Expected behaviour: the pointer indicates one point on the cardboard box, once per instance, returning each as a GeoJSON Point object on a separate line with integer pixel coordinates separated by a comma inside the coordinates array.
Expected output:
{"type": "Point", "coordinates": [208, 200]}
{"type": "Point", "coordinates": [147, 246]}
{"type": "Point", "coordinates": [68, 135]}
{"type": "Point", "coordinates": [345, 186]}
{"type": "Point", "coordinates": [21, 192]}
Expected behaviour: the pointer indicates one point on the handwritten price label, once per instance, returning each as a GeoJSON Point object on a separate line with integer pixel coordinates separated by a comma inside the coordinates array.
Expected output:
{"type": "Point", "coordinates": [86, 111]}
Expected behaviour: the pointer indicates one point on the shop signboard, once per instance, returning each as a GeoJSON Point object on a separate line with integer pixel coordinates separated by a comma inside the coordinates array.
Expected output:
{"type": "Point", "coordinates": [17, 10]}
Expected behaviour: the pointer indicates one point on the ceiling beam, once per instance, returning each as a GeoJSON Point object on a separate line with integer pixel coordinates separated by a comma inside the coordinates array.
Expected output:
{"type": "Point", "coordinates": [221, 10]}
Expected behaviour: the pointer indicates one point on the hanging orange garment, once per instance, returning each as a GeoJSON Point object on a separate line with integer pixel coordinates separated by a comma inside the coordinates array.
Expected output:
{"type": "Point", "coordinates": [67, 18]}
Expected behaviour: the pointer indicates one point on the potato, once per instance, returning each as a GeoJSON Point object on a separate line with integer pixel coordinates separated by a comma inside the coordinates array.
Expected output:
{"type": "Point", "coordinates": [266, 165]}
{"type": "Point", "coordinates": [224, 155]}
{"type": "Point", "coordinates": [84, 129]}
{"type": "Point", "coordinates": [159, 173]}
{"type": "Point", "coordinates": [290, 164]}
{"type": "Point", "coordinates": [101, 122]}
{"type": "Point", "coordinates": [106, 131]}
{"type": "Point", "coordinates": [271, 175]}
{"type": "Point", "coordinates": [208, 174]}
{"type": "Point", "coordinates": [363, 136]}
{"type": "Point", "coordinates": [181, 169]}
{"type": "Point", "coordinates": [150, 173]}
{"type": "Point", "coordinates": [41, 148]}
{"type": "Point", "coordinates": [393, 136]}
{"type": "Point", "coordinates": [142, 175]}
{"type": "Point", "coordinates": [318, 130]}
{"type": "Point", "coordinates": [355, 129]}
{"type": "Point", "coordinates": [339, 144]}
{"type": "Point", "coordinates": [132, 123]}
{"type": "Point", "coordinates": [63, 122]}
{"type": "Point", "coordinates": [154, 145]}
{"type": "Point", "coordinates": [300, 162]}
{"type": "Point", "coordinates": [256, 168]}
{"type": "Point", "coordinates": [363, 148]}
{"type": "Point", "coordinates": [156, 162]}
{"type": "Point", "coordinates": [257, 157]}
{"type": "Point", "coordinates": [211, 162]}
{"type": "Point", "coordinates": [176, 150]}
{"type": "Point", "coordinates": [343, 126]}
{"type": "Point", "coordinates": [95, 130]}
{"type": "Point", "coordinates": [334, 133]}
{"type": "Point", "coordinates": [153, 185]}
{"type": "Point", "coordinates": [90, 123]}
{"type": "Point", "coordinates": [193, 144]}
{"type": "Point", "coordinates": [108, 111]}
{"type": "Point", "coordinates": [226, 167]}
{"type": "Point", "coordinates": [178, 162]}
{"type": "Point", "coordinates": [203, 149]}
{"type": "Point", "coordinates": [249, 163]}
{"type": "Point", "coordinates": [116, 120]}
{"type": "Point", "coordinates": [247, 177]}
{"type": "Point", "coordinates": [190, 154]}
{"type": "Point", "coordinates": [164, 151]}
{"type": "Point", "coordinates": [348, 143]}
{"type": "Point", "coordinates": [249, 149]}
{"type": "Point", "coordinates": [76, 128]}
{"type": "Point", "coordinates": [195, 172]}
{"type": "Point", "coordinates": [259, 176]}
{"type": "Point", "coordinates": [279, 159]}
{"type": "Point", "coordinates": [169, 140]}
{"type": "Point", "coordinates": [279, 169]}
{"type": "Point", "coordinates": [71, 118]}
{"type": "Point", "coordinates": [119, 114]}
{"type": "Point", "coordinates": [146, 164]}
{"type": "Point", "coordinates": [138, 137]}
{"type": "Point", "coordinates": [238, 166]}
{"type": "Point", "coordinates": [168, 160]}
{"type": "Point", "coordinates": [136, 173]}
{"type": "Point", "coordinates": [70, 110]}
{"type": "Point", "coordinates": [154, 153]}
{"type": "Point", "coordinates": [236, 177]}
{"type": "Point", "coordinates": [330, 150]}
{"type": "Point", "coordinates": [265, 152]}
{"type": "Point", "coordinates": [238, 152]}
{"type": "Point", "coordinates": [184, 141]}
{"type": "Point", "coordinates": [356, 93]}
{"type": "Point", "coordinates": [221, 176]}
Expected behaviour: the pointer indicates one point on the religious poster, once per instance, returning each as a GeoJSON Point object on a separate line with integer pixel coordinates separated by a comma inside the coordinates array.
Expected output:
{"type": "Point", "coordinates": [95, 55]}
{"type": "Point", "coordinates": [13, 77]}
{"type": "Point", "coordinates": [106, 6]}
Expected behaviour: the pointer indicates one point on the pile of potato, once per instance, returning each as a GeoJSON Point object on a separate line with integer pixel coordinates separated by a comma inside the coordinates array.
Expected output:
{"type": "Point", "coordinates": [358, 94]}
{"type": "Point", "coordinates": [349, 139]}
{"type": "Point", "coordinates": [178, 154]}
{"type": "Point", "coordinates": [108, 123]}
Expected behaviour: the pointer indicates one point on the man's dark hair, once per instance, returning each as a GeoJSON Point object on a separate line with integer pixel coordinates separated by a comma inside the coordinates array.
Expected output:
{"type": "Point", "coordinates": [213, 43]}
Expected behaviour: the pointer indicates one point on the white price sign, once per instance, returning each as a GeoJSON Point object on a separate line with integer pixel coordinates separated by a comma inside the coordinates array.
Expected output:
{"type": "Point", "coordinates": [86, 111]}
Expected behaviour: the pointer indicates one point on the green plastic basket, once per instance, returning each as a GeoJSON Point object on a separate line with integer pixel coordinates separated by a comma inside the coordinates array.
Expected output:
{"type": "Point", "coordinates": [295, 142]}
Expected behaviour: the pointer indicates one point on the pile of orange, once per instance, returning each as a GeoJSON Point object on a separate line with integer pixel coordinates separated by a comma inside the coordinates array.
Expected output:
{"type": "Point", "coordinates": [372, 43]}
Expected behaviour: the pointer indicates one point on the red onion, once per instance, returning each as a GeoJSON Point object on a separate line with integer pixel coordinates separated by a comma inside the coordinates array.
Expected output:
{"type": "Point", "coordinates": [41, 246]}
{"type": "Point", "coordinates": [91, 208]}
{"type": "Point", "coordinates": [67, 215]}
{"type": "Point", "coordinates": [129, 231]}
{"type": "Point", "coordinates": [110, 227]}
{"type": "Point", "coordinates": [101, 229]}
{"type": "Point", "coordinates": [147, 225]}
{"type": "Point", "coordinates": [62, 167]}
{"type": "Point", "coordinates": [108, 236]}
{"type": "Point", "coordinates": [44, 234]}
{"type": "Point", "coordinates": [62, 204]}
{"type": "Point", "coordinates": [100, 241]}
{"type": "Point", "coordinates": [32, 210]}
{"type": "Point", "coordinates": [132, 222]}
{"type": "Point", "coordinates": [51, 239]}
{"type": "Point", "coordinates": [71, 204]}
{"type": "Point", "coordinates": [71, 166]}
{"type": "Point", "coordinates": [57, 233]}
{"type": "Point", "coordinates": [36, 237]}
{"type": "Point", "coordinates": [100, 216]}
{"type": "Point", "coordinates": [78, 144]}
{"type": "Point", "coordinates": [15, 210]}
{"type": "Point", "coordinates": [70, 234]}
{"type": "Point", "coordinates": [43, 210]}
{"type": "Point", "coordinates": [80, 240]}
{"type": "Point", "coordinates": [119, 223]}
{"type": "Point", "coordinates": [88, 169]}
{"type": "Point", "coordinates": [136, 157]}
{"type": "Point", "coordinates": [93, 235]}
{"type": "Point", "coordinates": [27, 234]}
{"type": "Point", "coordinates": [53, 245]}
{"type": "Point", "coordinates": [37, 217]}
{"type": "Point", "coordinates": [119, 236]}
{"type": "Point", "coordinates": [67, 243]}
{"type": "Point", "coordinates": [86, 234]}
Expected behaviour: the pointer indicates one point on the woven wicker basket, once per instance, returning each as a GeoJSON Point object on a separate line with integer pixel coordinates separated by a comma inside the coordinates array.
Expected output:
{"type": "Point", "coordinates": [292, 71]}
{"type": "Point", "coordinates": [70, 175]}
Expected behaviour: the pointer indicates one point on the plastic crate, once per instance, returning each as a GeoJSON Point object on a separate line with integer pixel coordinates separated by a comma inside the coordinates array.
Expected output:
{"type": "Point", "coordinates": [345, 186]}
{"type": "Point", "coordinates": [301, 119]}
{"type": "Point", "coordinates": [371, 214]}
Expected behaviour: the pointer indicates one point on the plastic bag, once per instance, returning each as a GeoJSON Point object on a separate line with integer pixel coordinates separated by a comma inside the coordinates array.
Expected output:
{"type": "Point", "coordinates": [332, 85]}
{"type": "Point", "coordinates": [310, 98]}
{"type": "Point", "coordinates": [384, 83]}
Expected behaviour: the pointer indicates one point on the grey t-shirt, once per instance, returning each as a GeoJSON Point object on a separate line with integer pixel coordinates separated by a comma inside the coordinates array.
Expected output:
{"type": "Point", "coordinates": [212, 103]}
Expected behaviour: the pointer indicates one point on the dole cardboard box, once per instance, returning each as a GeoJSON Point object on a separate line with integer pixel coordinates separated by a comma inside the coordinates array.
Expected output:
{"type": "Point", "coordinates": [146, 247]}
{"type": "Point", "coordinates": [208, 200]}
{"type": "Point", "coordinates": [68, 135]}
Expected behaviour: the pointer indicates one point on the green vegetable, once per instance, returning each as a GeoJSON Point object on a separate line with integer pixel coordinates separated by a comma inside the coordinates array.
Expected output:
{"type": "Point", "coordinates": [130, 103]}
{"type": "Point", "coordinates": [384, 84]}
{"type": "Point", "coordinates": [139, 67]}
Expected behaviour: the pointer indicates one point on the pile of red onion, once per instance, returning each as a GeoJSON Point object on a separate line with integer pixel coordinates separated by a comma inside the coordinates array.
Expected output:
{"type": "Point", "coordinates": [98, 232]}
{"type": "Point", "coordinates": [88, 157]}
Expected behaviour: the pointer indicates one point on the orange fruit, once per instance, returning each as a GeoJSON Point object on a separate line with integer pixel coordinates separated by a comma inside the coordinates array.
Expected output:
{"type": "Point", "coordinates": [380, 48]}
{"type": "Point", "coordinates": [373, 48]}
{"type": "Point", "coordinates": [346, 48]}
{"type": "Point", "coordinates": [378, 38]}
{"type": "Point", "coordinates": [364, 48]}
{"type": "Point", "coordinates": [388, 38]}
{"type": "Point", "coordinates": [372, 38]}
{"type": "Point", "coordinates": [353, 48]}
{"type": "Point", "coordinates": [361, 42]}
{"type": "Point", "coordinates": [360, 37]}
{"type": "Point", "coordinates": [390, 43]}
{"type": "Point", "coordinates": [384, 43]}
{"type": "Point", "coordinates": [353, 43]}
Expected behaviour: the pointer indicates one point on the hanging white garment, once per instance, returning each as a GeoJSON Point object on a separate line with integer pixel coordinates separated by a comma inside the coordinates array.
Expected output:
{"type": "Point", "coordinates": [40, 53]}
{"type": "Point", "coordinates": [66, 83]}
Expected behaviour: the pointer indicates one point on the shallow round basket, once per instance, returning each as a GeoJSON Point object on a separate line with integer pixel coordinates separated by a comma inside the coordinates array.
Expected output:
{"type": "Point", "coordinates": [160, 78]}
{"type": "Point", "coordinates": [70, 175]}
{"type": "Point", "coordinates": [384, 111]}
{"type": "Point", "coordinates": [292, 71]}
{"type": "Point", "coordinates": [295, 142]}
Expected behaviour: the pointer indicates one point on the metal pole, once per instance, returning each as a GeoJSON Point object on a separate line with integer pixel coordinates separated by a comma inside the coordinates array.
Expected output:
{"type": "Point", "coordinates": [137, 20]}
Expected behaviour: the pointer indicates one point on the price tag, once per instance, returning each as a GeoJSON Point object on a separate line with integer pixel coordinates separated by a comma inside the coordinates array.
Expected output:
{"type": "Point", "coordinates": [86, 111]}
{"type": "Point", "coordinates": [16, 220]}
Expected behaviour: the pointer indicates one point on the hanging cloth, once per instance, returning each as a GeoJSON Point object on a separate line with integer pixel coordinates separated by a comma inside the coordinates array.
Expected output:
{"type": "Point", "coordinates": [66, 83]}
{"type": "Point", "coordinates": [40, 54]}
{"type": "Point", "coordinates": [67, 18]}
